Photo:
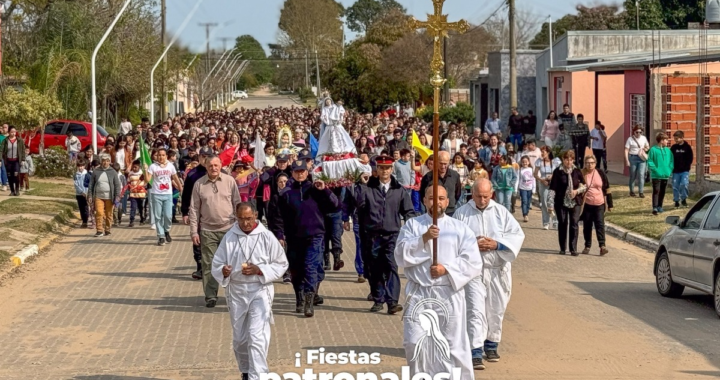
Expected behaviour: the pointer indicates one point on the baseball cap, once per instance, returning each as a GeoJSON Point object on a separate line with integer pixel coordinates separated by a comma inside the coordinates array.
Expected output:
{"type": "Point", "coordinates": [206, 151]}
{"type": "Point", "coordinates": [282, 157]}
{"type": "Point", "coordinates": [299, 165]}
{"type": "Point", "coordinates": [305, 155]}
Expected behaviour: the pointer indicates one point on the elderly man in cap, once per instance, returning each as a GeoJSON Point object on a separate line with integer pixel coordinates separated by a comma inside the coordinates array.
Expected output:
{"type": "Point", "coordinates": [193, 176]}
{"type": "Point", "coordinates": [299, 224]}
{"type": "Point", "coordinates": [381, 202]}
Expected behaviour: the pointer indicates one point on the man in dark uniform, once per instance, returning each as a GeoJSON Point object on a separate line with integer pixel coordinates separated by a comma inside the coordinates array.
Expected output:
{"type": "Point", "coordinates": [299, 225]}
{"type": "Point", "coordinates": [380, 204]}
{"type": "Point", "coordinates": [192, 177]}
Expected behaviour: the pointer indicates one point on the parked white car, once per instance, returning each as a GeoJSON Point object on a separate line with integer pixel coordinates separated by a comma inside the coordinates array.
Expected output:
{"type": "Point", "coordinates": [689, 253]}
{"type": "Point", "coordinates": [237, 94]}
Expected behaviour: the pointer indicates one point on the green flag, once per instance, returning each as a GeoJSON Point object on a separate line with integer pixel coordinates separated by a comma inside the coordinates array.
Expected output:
{"type": "Point", "coordinates": [145, 158]}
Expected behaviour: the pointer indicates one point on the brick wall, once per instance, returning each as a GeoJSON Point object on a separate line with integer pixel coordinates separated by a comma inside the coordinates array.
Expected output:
{"type": "Point", "coordinates": [680, 107]}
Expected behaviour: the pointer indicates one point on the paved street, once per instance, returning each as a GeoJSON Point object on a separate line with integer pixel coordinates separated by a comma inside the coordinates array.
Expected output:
{"type": "Point", "coordinates": [120, 307]}
{"type": "Point", "coordinates": [262, 98]}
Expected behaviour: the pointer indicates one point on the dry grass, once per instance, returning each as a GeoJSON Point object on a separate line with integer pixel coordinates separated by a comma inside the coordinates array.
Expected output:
{"type": "Point", "coordinates": [52, 189]}
{"type": "Point", "coordinates": [29, 225]}
{"type": "Point", "coordinates": [19, 205]}
{"type": "Point", "coordinates": [635, 214]}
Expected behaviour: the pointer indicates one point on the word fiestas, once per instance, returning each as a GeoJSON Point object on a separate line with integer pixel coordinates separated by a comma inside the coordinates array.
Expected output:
{"type": "Point", "coordinates": [320, 357]}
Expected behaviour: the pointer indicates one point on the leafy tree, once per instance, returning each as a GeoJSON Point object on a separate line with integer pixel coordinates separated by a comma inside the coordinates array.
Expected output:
{"type": "Point", "coordinates": [28, 109]}
{"type": "Point", "coordinates": [601, 17]}
{"type": "Point", "coordinates": [311, 25]}
{"type": "Point", "coordinates": [678, 13]}
{"type": "Point", "coordinates": [260, 70]}
{"type": "Point", "coordinates": [651, 14]}
{"type": "Point", "coordinates": [389, 28]}
{"type": "Point", "coordinates": [361, 15]}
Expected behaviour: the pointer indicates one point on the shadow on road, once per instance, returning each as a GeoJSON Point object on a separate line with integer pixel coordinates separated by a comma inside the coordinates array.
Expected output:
{"type": "Point", "coordinates": [115, 377]}
{"type": "Point", "coordinates": [191, 304]}
{"type": "Point", "coordinates": [689, 320]}
{"type": "Point", "coordinates": [172, 276]}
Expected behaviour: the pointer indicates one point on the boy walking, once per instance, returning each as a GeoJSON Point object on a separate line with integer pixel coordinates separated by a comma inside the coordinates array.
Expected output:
{"type": "Point", "coordinates": [683, 156]}
{"type": "Point", "coordinates": [27, 168]}
{"type": "Point", "coordinates": [81, 181]}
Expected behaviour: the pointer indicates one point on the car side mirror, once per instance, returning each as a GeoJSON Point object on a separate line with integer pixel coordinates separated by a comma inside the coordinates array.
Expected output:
{"type": "Point", "coordinates": [673, 220]}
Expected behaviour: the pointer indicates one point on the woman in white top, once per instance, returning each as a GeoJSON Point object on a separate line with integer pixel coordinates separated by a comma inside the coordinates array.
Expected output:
{"type": "Point", "coordinates": [544, 168]}
{"type": "Point", "coordinates": [460, 168]}
{"type": "Point", "coordinates": [636, 148]}
{"type": "Point", "coordinates": [452, 143]}
{"type": "Point", "coordinates": [163, 176]}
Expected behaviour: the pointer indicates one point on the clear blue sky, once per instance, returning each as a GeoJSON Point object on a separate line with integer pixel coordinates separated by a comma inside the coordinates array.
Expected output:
{"type": "Point", "coordinates": [260, 17]}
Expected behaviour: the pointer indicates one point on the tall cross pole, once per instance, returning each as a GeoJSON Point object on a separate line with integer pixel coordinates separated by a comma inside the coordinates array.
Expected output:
{"type": "Point", "coordinates": [437, 26]}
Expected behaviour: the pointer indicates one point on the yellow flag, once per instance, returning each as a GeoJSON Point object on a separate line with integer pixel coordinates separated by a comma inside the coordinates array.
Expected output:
{"type": "Point", "coordinates": [422, 150]}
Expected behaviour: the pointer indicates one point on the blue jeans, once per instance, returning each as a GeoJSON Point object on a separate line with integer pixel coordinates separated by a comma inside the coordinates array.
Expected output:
{"type": "Point", "coordinates": [306, 263]}
{"type": "Point", "coordinates": [637, 172]}
{"type": "Point", "coordinates": [680, 183]}
{"type": "Point", "coordinates": [516, 140]}
{"type": "Point", "coordinates": [358, 247]}
{"type": "Point", "coordinates": [526, 199]}
{"type": "Point", "coordinates": [162, 209]}
{"type": "Point", "coordinates": [3, 175]}
{"type": "Point", "coordinates": [504, 197]}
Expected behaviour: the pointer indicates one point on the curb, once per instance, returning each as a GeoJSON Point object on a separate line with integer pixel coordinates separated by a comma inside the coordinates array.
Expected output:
{"type": "Point", "coordinates": [627, 236]}
{"type": "Point", "coordinates": [24, 254]}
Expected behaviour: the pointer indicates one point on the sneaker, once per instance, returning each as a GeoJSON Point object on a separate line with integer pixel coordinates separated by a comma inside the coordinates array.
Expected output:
{"type": "Point", "coordinates": [677, 204]}
{"type": "Point", "coordinates": [603, 251]}
{"type": "Point", "coordinates": [492, 356]}
{"type": "Point", "coordinates": [377, 306]}
{"type": "Point", "coordinates": [168, 238]}
{"type": "Point", "coordinates": [287, 278]}
{"type": "Point", "coordinates": [546, 226]}
{"type": "Point", "coordinates": [642, 195]}
{"type": "Point", "coordinates": [394, 309]}
{"type": "Point", "coordinates": [107, 233]}
{"type": "Point", "coordinates": [361, 279]}
{"type": "Point", "coordinates": [684, 203]}
{"type": "Point", "coordinates": [525, 219]}
{"type": "Point", "coordinates": [210, 303]}
{"type": "Point", "coordinates": [655, 211]}
{"type": "Point", "coordinates": [478, 363]}
{"type": "Point", "coordinates": [632, 194]}
{"type": "Point", "coordinates": [153, 227]}
{"type": "Point", "coordinates": [4, 188]}
{"type": "Point", "coordinates": [99, 234]}
{"type": "Point", "coordinates": [161, 242]}
{"type": "Point", "coordinates": [562, 252]}
{"type": "Point", "coordinates": [131, 225]}
{"type": "Point", "coordinates": [84, 225]}
{"type": "Point", "coordinates": [197, 275]}
{"type": "Point", "coordinates": [574, 253]}
{"type": "Point", "coordinates": [660, 210]}
{"type": "Point", "coordinates": [586, 251]}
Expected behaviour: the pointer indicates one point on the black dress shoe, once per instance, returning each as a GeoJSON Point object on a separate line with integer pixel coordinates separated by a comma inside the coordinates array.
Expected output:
{"type": "Point", "coordinates": [394, 309]}
{"type": "Point", "coordinates": [168, 238]}
{"type": "Point", "coordinates": [377, 306]}
{"type": "Point", "coordinates": [210, 303]}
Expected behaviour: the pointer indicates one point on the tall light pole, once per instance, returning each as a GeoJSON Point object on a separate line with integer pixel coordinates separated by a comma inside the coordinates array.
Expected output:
{"type": "Point", "coordinates": [2, 12]}
{"type": "Point", "coordinates": [637, 14]}
{"type": "Point", "coordinates": [317, 68]}
{"type": "Point", "coordinates": [550, 39]}
{"type": "Point", "coordinates": [513, 54]}
{"type": "Point", "coordinates": [92, 70]}
{"type": "Point", "coordinates": [167, 48]}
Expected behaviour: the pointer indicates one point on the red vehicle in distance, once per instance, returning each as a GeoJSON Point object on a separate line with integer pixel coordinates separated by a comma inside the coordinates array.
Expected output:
{"type": "Point", "coordinates": [56, 132]}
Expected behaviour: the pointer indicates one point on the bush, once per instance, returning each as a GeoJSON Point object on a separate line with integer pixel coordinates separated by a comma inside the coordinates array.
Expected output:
{"type": "Point", "coordinates": [54, 164]}
{"type": "Point", "coordinates": [305, 94]}
{"type": "Point", "coordinates": [462, 112]}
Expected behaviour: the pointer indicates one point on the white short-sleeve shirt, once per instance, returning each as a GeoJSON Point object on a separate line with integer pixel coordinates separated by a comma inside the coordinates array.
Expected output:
{"type": "Point", "coordinates": [634, 144]}
{"type": "Point", "coordinates": [162, 178]}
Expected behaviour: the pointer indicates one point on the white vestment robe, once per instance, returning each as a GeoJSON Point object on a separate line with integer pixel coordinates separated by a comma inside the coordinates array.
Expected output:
{"type": "Point", "coordinates": [489, 294]}
{"type": "Point", "coordinates": [250, 297]}
{"type": "Point", "coordinates": [435, 330]}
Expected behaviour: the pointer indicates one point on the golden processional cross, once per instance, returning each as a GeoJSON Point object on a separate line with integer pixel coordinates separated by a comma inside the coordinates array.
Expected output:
{"type": "Point", "coordinates": [437, 26]}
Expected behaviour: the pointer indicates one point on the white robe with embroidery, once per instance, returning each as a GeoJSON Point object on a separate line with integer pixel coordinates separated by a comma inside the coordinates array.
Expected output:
{"type": "Point", "coordinates": [488, 295]}
{"type": "Point", "coordinates": [435, 330]}
{"type": "Point", "coordinates": [250, 298]}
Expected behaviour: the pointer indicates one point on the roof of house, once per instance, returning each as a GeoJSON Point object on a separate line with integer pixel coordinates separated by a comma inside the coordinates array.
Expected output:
{"type": "Point", "coordinates": [625, 61]}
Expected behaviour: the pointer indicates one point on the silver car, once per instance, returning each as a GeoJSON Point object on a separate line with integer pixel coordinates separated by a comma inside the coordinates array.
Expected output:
{"type": "Point", "coordinates": [689, 253]}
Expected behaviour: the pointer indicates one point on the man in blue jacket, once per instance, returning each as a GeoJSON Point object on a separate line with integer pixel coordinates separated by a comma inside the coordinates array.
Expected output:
{"type": "Point", "coordinates": [299, 224]}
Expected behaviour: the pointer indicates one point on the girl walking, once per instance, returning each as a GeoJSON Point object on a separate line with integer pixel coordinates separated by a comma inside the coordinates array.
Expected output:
{"type": "Point", "coordinates": [526, 186]}
{"type": "Point", "coordinates": [503, 180]}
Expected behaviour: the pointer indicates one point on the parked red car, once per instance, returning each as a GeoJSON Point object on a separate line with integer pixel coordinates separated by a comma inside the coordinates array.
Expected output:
{"type": "Point", "coordinates": [56, 133]}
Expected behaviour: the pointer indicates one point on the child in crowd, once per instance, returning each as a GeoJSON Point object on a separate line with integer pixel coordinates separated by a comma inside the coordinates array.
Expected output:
{"type": "Point", "coordinates": [81, 180]}
{"type": "Point", "coordinates": [479, 172]}
{"type": "Point", "coordinates": [503, 180]}
{"type": "Point", "coordinates": [172, 158]}
{"type": "Point", "coordinates": [121, 203]}
{"type": "Point", "coordinates": [27, 168]}
{"type": "Point", "coordinates": [138, 193]}
{"type": "Point", "coordinates": [526, 185]}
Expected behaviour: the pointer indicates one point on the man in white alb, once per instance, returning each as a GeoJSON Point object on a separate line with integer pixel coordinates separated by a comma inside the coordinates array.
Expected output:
{"type": "Point", "coordinates": [499, 238]}
{"type": "Point", "coordinates": [435, 330]}
{"type": "Point", "coordinates": [247, 261]}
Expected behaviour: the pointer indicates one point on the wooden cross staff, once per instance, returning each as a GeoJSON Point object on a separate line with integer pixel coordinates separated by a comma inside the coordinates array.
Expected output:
{"type": "Point", "coordinates": [437, 26]}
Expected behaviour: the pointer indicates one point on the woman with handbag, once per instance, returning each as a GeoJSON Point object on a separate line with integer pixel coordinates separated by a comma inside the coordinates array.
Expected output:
{"type": "Point", "coordinates": [568, 188]}
{"type": "Point", "coordinates": [597, 200]}
{"type": "Point", "coordinates": [636, 148]}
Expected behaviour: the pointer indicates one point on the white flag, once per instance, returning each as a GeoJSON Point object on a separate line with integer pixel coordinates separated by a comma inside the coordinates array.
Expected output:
{"type": "Point", "coordinates": [259, 161]}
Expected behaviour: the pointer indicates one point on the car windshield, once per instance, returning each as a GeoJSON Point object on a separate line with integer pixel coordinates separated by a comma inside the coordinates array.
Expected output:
{"type": "Point", "coordinates": [102, 131]}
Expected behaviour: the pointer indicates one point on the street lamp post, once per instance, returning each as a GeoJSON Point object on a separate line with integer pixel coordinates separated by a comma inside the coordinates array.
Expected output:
{"type": "Point", "coordinates": [2, 12]}
{"type": "Point", "coordinates": [152, 72]}
{"type": "Point", "coordinates": [92, 70]}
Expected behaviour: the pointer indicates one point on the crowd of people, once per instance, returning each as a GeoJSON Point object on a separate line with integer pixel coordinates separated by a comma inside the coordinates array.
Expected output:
{"type": "Point", "coordinates": [253, 187]}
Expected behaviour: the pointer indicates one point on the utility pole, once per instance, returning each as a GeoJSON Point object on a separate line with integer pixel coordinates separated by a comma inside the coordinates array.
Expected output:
{"type": "Point", "coordinates": [207, 26]}
{"type": "Point", "coordinates": [342, 45]}
{"type": "Point", "coordinates": [307, 73]}
{"type": "Point", "coordinates": [550, 38]}
{"type": "Point", "coordinates": [637, 14]}
{"type": "Point", "coordinates": [163, 11]}
{"type": "Point", "coordinates": [2, 12]}
{"type": "Point", "coordinates": [224, 41]}
{"type": "Point", "coordinates": [513, 54]}
{"type": "Point", "coordinates": [317, 67]}
{"type": "Point", "coordinates": [446, 87]}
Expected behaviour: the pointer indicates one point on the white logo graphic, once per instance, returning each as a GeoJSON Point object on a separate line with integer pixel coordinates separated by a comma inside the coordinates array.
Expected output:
{"type": "Point", "coordinates": [430, 323]}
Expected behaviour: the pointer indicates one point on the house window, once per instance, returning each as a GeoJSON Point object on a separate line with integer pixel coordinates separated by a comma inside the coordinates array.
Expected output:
{"type": "Point", "coordinates": [637, 110]}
